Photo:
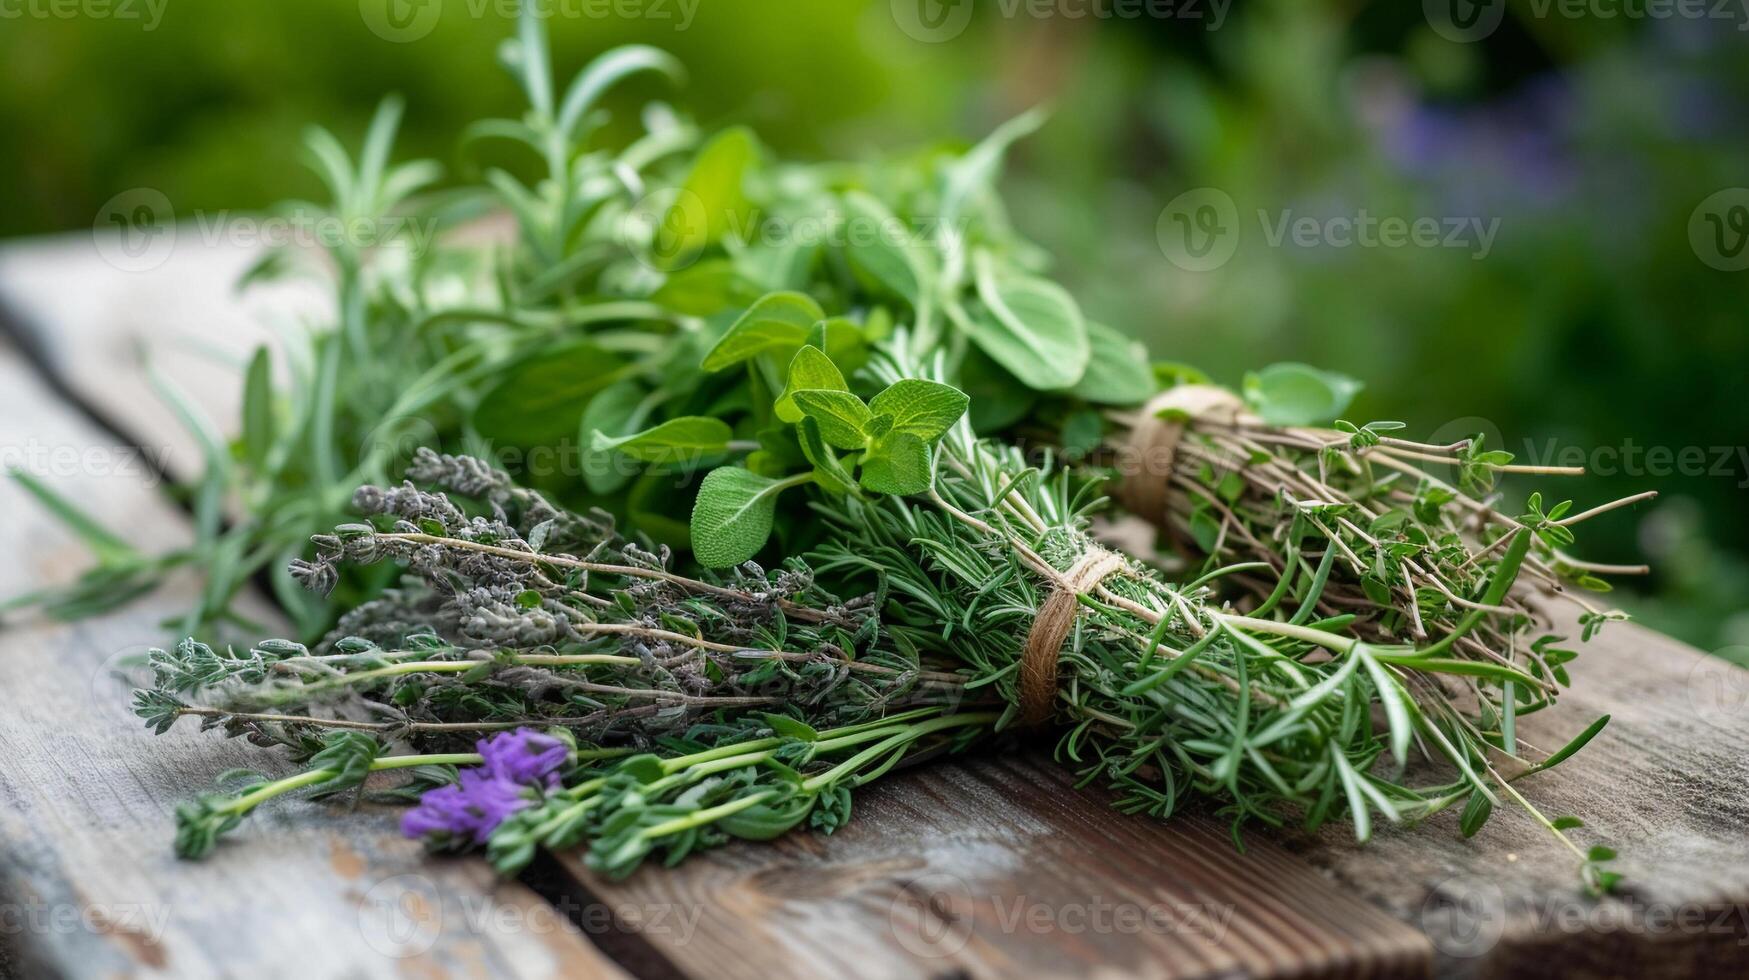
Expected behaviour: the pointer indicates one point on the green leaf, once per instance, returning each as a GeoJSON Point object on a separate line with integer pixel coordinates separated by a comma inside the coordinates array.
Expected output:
{"type": "Point", "coordinates": [1296, 394]}
{"type": "Point", "coordinates": [103, 543]}
{"type": "Point", "coordinates": [897, 463]}
{"type": "Point", "coordinates": [998, 398]}
{"type": "Point", "coordinates": [841, 416]}
{"type": "Point", "coordinates": [541, 401]}
{"type": "Point", "coordinates": [767, 821]}
{"type": "Point", "coordinates": [712, 196]}
{"type": "Point", "coordinates": [829, 471]}
{"type": "Point", "coordinates": [777, 322]}
{"type": "Point", "coordinates": [1476, 813]}
{"type": "Point", "coordinates": [925, 409]}
{"type": "Point", "coordinates": [1578, 742]}
{"type": "Point", "coordinates": [1118, 372]}
{"type": "Point", "coordinates": [733, 515]}
{"type": "Point", "coordinates": [790, 728]}
{"type": "Point", "coordinates": [258, 420]}
{"type": "Point", "coordinates": [843, 340]}
{"type": "Point", "coordinates": [615, 411]}
{"type": "Point", "coordinates": [809, 369]}
{"type": "Point", "coordinates": [704, 289]}
{"type": "Point", "coordinates": [1030, 326]}
{"type": "Point", "coordinates": [678, 440]}
{"type": "Point", "coordinates": [879, 245]}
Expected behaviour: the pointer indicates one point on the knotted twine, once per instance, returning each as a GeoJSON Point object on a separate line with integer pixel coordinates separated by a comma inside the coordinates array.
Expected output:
{"type": "Point", "coordinates": [1044, 641]}
{"type": "Point", "coordinates": [1153, 443]}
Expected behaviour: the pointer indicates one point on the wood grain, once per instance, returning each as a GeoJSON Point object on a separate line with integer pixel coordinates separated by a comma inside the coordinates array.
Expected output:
{"type": "Point", "coordinates": [88, 884]}
{"type": "Point", "coordinates": [997, 866]}
{"type": "Point", "coordinates": [1666, 784]}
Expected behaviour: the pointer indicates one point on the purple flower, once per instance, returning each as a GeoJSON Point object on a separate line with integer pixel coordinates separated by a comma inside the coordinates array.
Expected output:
{"type": "Point", "coordinates": [524, 756]}
{"type": "Point", "coordinates": [471, 808]}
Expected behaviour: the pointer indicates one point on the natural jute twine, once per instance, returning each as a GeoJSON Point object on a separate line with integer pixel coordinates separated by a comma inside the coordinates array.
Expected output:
{"type": "Point", "coordinates": [1153, 444]}
{"type": "Point", "coordinates": [1044, 642]}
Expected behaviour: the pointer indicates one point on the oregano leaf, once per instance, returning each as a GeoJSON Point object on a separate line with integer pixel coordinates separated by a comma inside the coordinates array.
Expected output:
{"type": "Point", "coordinates": [898, 464]}
{"type": "Point", "coordinates": [925, 409]}
{"type": "Point", "coordinates": [841, 415]}
{"type": "Point", "coordinates": [809, 369]}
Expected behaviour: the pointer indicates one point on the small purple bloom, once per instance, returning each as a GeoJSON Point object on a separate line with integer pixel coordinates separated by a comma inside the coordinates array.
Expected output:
{"type": "Point", "coordinates": [485, 795]}
{"type": "Point", "coordinates": [524, 756]}
{"type": "Point", "coordinates": [471, 808]}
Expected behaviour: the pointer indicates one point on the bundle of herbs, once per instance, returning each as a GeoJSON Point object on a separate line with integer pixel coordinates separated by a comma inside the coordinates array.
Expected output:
{"type": "Point", "coordinates": [897, 406]}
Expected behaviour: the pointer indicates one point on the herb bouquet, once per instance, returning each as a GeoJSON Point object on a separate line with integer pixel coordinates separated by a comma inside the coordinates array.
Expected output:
{"type": "Point", "coordinates": [916, 428]}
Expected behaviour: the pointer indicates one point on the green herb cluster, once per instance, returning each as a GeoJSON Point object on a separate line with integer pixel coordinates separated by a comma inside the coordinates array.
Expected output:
{"type": "Point", "coordinates": [900, 407]}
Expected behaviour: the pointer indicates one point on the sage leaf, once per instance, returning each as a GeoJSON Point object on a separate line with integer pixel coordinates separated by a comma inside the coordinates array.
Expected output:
{"type": "Point", "coordinates": [678, 440]}
{"type": "Point", "coordinates": [878, 244]}
{"type": "Point", "coordinates": [1298, 394]}
{"type": "Point", "coordinates": [777, 322]}
{"type": "Point", "coordinates": [712, 196]}
{"type": "Point", "coordinates": [1118, 372]}
{"type": "Point", "coordinates": [615, 411]}
{"type": "Point", "coordinates": [541, 401]}
{"type": "Point", "coordinates": [1030, 326]}
{"type": "Point", "coordinates": [732, 516]}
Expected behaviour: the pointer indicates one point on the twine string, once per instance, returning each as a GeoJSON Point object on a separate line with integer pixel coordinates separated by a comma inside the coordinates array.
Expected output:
{"type": "Point", "coordinates": [1050, 628]}
{"type": "Point", "coordinates": [1153, 443]}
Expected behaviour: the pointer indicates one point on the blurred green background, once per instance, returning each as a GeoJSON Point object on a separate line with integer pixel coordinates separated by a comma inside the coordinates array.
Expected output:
{"type": "Point", "coordinates": [1601, 322]}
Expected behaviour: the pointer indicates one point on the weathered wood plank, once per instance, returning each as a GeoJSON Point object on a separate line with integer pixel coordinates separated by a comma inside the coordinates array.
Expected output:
{"type": "Point", "coordinates": [1666, 785]}
{"type": "Point", "coordinates": [88, 884]}
{"type": "Point", "coordinates": [997, 866]}
{"type": "Point", "coordinates": [95, 324]}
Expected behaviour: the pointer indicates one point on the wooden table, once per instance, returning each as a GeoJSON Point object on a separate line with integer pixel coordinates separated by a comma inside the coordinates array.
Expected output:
{"type": "Point", "coordinates": [984, 866]}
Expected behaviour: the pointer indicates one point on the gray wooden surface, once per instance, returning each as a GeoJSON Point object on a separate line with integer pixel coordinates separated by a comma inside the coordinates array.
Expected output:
{"type": "Point", "coordinates": [978, 866]}
{"type": "Point", "coordinates": [88, 884]}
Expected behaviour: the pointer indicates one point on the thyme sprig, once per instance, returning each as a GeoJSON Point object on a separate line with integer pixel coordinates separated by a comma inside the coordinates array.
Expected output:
{"type": "Point", "coordinates": [496, 633]}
